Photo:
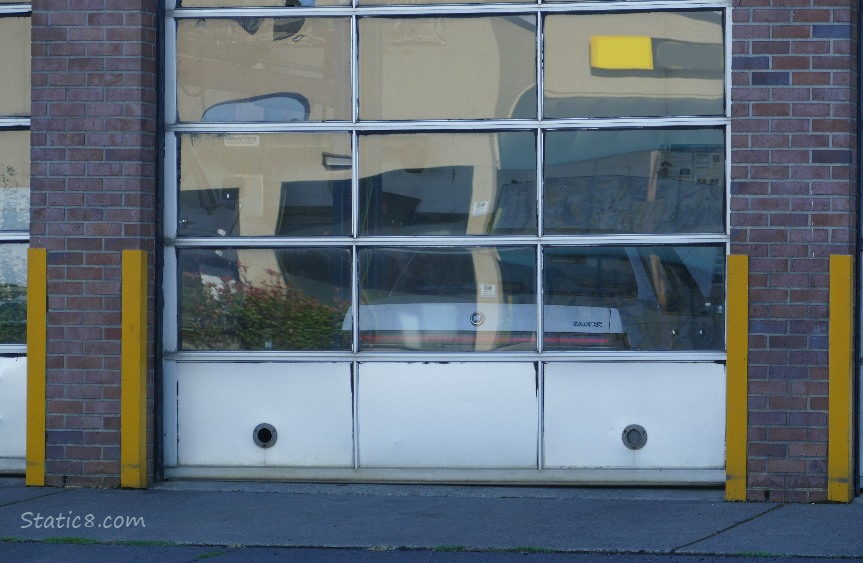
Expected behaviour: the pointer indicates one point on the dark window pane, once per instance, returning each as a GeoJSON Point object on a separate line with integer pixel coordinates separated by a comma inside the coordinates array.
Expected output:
{"type": "Point", "coordinates": [448, 299]}
{"type": "Point", "coordinates": [448, 184]}
{"type": "Point", "coordinates": [648, 181]}
{"type": "Point", "coordinates": [640, 297]}
{"type": "Point", "coordinates": [268, 184]}
{"type": "Point", "coordinates": [13, 293]}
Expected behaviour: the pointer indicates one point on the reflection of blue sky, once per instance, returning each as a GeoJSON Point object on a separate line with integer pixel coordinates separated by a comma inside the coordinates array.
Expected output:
{"type": "Point", "coordinates": [278, 107]}
{"type": "Point", "coordinates": [701, 262]}
{"type": "Point", "coordinates": [575, 146]}
{"type": "Point", "coordinates": [563, 147]}
{"type": "Point", "coordinates": [13, 264]}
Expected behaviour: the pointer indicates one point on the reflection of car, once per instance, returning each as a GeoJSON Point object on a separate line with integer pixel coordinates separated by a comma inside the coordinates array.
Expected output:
{"type": "Point", "coordinates": [470, 326]}
{"type": "Point", "coordinates": [464, 299]}
{"type": "Point", "coordinates": [583, 326]}
{"type": "Point", "coordinates": [611, 297]}
{"type": "Point", "coordinates": [668, 298]}
{"type": "Point", "coordinates": [205, 213]}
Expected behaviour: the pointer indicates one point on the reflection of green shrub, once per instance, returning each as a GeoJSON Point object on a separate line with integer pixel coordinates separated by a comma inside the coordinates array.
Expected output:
{"type": "Point", "coordinates": [232, 315]}
{"type": "Point", "coordinates": [7, 178]}
{"type": "Point", "coordinates": [13, 314]}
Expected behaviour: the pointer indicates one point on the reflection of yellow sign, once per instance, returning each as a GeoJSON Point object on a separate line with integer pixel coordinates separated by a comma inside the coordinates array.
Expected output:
{"type": "Point", "coordinates": [621, 52]}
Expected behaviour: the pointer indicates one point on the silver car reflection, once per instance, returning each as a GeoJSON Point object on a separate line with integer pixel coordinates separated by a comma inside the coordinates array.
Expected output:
{"type": "Point", "coordinates": [594, 298]}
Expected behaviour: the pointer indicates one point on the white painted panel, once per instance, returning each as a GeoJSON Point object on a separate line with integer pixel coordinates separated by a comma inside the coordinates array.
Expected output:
{"type": "Point", "coordinates": [169, 272]}
{"type": "Point", "coordinates": [220, 404]}
{"type": "Point", "coordinates": [13, 407]}
{"type": "Point", "coordinates": [453, 415]}
{"type": "Point", "coordinates": [680, 405]}
{"type": "Point", "coordinates": [169, 412]}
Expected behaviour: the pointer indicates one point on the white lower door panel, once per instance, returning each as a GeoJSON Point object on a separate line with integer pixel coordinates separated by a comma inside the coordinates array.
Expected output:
{"type": "Point", "coordinates": [680, 407]}
{"type": "Point", "coordinates": [219, 405]}
{"type": "Point", "coordinates": [455, 421]}
{"type": "Point", "coordinates": [447, 415]}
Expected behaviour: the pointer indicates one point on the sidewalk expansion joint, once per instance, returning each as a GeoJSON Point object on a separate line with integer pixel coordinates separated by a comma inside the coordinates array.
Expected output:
{"type": "Point", "coordinates": [29, 499]}
{"type": "Point", "coordinates": [727, 528]}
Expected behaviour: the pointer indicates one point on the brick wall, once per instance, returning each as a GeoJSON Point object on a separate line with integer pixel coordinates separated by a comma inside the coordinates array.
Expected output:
{"type": "Point", "coordinates": [793, 203]}
{"type": "Point", "coordinates": [94, 94]}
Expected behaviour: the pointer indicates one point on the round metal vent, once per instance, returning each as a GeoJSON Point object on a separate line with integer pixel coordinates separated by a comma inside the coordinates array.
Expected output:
{"type": "Point", "coordinates": [634, 437]}
{"type": "Point", "coordinates": [264, 435]}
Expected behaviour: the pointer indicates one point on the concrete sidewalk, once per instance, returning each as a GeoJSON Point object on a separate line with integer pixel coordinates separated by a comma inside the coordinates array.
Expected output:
{"type": "Point", "coordinates": [428, 517]}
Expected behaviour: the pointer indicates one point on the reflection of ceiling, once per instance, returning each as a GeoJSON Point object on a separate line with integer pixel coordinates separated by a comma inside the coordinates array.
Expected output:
{"type": "Point", "coordinates": [219, 61]}
{"type": "Point", "coordinates": [15, 63]}
{"type": "Point", "coordinates": [460, 67]}
{"type": "Point", "coordinates": [14, 159]}
{"type": "Point", "coordinates": [444, 68]}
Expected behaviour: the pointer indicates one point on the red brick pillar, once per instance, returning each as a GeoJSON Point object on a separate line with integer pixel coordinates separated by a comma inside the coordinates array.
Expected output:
{"type": "Point", "coordinates": [94, 167]}
{"type": "Point", "coordinates": [793, 203]}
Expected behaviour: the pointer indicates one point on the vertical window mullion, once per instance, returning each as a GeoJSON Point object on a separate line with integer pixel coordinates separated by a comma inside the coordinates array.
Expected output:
{"type": "Point", "coordinates": [355, 205]}
{"type": "Point", "coordinates": [355, 299]}
{"type": "Point", "coordinates": [355, 53]}
{"type": "Point", "coordinates": [540, 176]}
{"type": "Point", "coordinates": [540, 316]}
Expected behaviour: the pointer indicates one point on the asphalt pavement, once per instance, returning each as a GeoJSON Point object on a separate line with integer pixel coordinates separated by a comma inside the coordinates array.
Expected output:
{"type": "Point", "coordinates": [226, 522]}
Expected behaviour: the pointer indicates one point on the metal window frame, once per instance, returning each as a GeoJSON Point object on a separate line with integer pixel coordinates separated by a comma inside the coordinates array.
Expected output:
{"type": "Point", "coordinates": [355, 127]}
{"type": "Point", "coordinates": [16, 123]}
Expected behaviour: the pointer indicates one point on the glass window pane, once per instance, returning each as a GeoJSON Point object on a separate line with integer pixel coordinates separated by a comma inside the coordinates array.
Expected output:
{"type": "Point", "coordinates": [634, 181]}
{"type": "Point", "coordinates": [640, 64]}
{"type": "Point", "coordinates": [264, 299]}
{"type": "Point", "coordinates": [638, 297]}
{"type": "Point", "coordinates": [13, 293]}
{"type": "Point", "coordinates": [15, 66]}
{"type": "Point", "coordinates": [447, 299]}
{"type": "Point", "coordinates": [260, 3]}
{"type": "Point", "coordinates": [447, 68]}
{"type": "Point", "coordinates": [448, 183]}
{"type": "Point", "coordinates": [14, 180]}
{"type": "Point", "coordinates": [263, 69]}
{"type": "Point", "coordinates": [245, 184]}
{"type": "Point", "coordinates": [421, 2]}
